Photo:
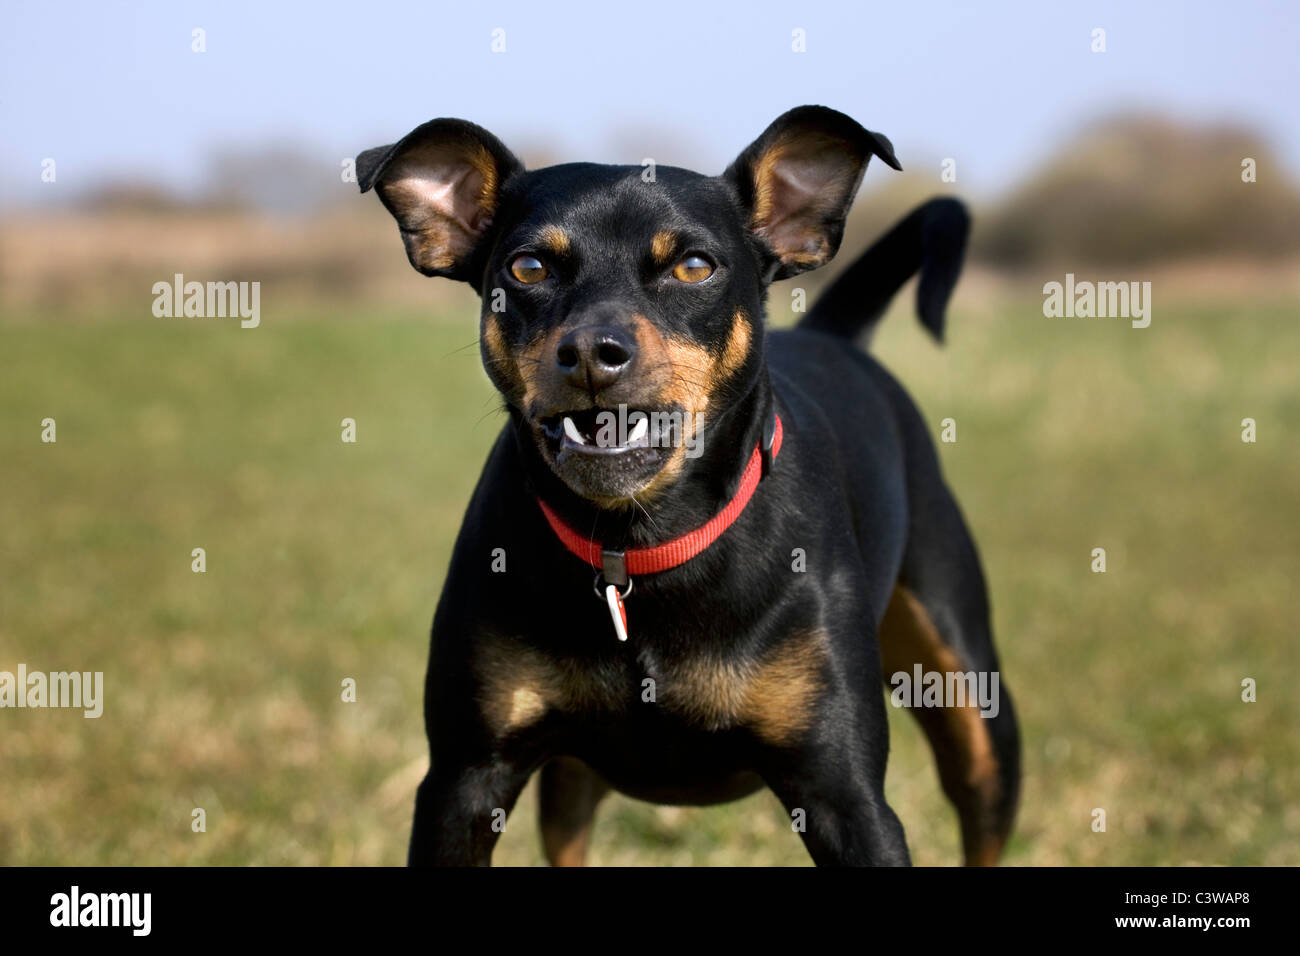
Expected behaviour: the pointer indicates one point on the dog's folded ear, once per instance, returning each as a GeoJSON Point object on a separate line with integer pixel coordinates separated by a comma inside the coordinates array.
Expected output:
{"type": "Point", "coordinates": [442, 183]}
{"type": "Point", "coordinates": [798, 180]}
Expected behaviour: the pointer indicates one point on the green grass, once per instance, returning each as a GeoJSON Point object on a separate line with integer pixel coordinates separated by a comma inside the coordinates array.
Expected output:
{"type": "Point", "coordinates": [324, 561]}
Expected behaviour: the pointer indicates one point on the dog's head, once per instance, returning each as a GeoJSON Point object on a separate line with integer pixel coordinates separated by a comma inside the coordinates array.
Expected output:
{"type": "Point", "coordinates": [622, 305]}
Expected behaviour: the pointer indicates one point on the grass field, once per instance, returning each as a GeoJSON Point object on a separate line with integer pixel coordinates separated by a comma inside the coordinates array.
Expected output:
{"type": "Point", "coordinates": [324, 561]}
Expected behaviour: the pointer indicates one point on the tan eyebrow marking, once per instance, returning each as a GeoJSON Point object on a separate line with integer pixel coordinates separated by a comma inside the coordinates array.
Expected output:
{"type": "Point", "coordinates": [555, 239]}
{"type": "Point", "coordinates": [662, 246]}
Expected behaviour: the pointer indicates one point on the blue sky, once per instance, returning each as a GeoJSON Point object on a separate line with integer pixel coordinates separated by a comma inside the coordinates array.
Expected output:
{"type": "Point", "coordinates": [112, 88]}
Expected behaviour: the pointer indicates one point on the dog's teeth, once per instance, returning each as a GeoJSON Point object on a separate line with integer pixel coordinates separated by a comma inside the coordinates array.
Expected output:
{"type": "Point", "coordinates": [571, 430]}
{"type": "Point", "coordinates": [641, 429]}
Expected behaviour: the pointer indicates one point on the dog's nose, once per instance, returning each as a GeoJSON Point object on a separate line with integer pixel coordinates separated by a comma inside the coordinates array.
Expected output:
{"type": "Point", "coordinates": [594, 357]}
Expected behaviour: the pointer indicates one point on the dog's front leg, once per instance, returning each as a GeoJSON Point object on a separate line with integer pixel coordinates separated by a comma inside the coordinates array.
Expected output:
{"type": "Point", "coordinates": [461, 810]}
{"type": "Point", "coordinates": [832, 783]}
{"type": "Point", "coordinates": [842, 817]}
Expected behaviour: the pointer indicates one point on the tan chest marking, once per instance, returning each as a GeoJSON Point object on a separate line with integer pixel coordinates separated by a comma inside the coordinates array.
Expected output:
{"type": "Point", "coordinates": [775, 697]}
{"type": "Point", "coordinates": [519, 685]}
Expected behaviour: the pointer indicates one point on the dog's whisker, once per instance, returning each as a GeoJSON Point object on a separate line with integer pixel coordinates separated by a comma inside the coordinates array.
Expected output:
{"type": "Point", "coordinates": [457, 351]}
{"type": "Point", "coordinates": [653, 524]}
{"type": "Point", "coordinates": [687, 381]}
{"type": "Point", "coordinates": [491, 411]}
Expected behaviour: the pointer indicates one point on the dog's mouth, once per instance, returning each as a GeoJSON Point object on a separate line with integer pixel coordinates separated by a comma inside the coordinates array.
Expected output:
{"type": "Point", "coordinates": [597, 431]}
{"type": "Point", "coordinates": [604, 454]}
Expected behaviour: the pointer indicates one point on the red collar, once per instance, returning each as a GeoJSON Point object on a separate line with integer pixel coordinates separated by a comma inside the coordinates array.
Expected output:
{"type": "Point", "coordinates": [670, 554]}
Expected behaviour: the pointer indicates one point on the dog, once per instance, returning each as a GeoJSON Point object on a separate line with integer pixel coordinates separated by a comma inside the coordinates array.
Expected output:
{"type": "Point", "coordinates": [689, 612]}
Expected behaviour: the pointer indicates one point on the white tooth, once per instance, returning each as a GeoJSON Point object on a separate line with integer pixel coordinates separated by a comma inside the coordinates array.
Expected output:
{"type": "Point", "coordinates": [571, 430]}
{"type": "Point", "coordinates": [640, 431]}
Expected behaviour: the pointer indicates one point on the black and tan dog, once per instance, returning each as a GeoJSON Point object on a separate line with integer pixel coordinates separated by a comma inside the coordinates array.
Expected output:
{"type": "Point", "coordinates": [698, 547]}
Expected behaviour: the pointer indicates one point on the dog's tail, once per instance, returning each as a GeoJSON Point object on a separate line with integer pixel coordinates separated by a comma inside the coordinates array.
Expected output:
{"type": "Point", "coordinates": [931, 238]}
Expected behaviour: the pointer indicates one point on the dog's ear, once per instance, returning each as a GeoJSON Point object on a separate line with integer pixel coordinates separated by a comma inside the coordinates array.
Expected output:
{"type": "Point", "coordinates": [442, 183]}
{"type": "Point", "coordinates": [798, 180]}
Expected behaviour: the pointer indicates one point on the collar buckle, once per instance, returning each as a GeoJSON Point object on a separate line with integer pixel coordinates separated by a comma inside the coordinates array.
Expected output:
{"type": "Point", "coordinates": [613, 568]}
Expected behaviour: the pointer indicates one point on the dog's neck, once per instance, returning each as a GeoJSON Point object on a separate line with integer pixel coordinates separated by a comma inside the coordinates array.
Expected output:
{"type": "Point", "coordinates": [702, 488]}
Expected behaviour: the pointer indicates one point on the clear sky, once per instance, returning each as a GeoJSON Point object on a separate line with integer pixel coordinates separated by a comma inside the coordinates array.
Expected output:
{"type": "Point", "coordinates": [108, 87]}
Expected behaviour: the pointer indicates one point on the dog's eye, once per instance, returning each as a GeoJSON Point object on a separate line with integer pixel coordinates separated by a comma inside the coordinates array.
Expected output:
{"type": "Point", "coordinates": [528, 269]}
{"type": "Point", "coordinates": [693, 269]}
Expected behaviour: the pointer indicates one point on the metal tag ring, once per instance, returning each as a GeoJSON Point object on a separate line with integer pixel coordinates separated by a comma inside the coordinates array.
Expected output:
{"type": "Point", "coordinates": [600, 591]}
